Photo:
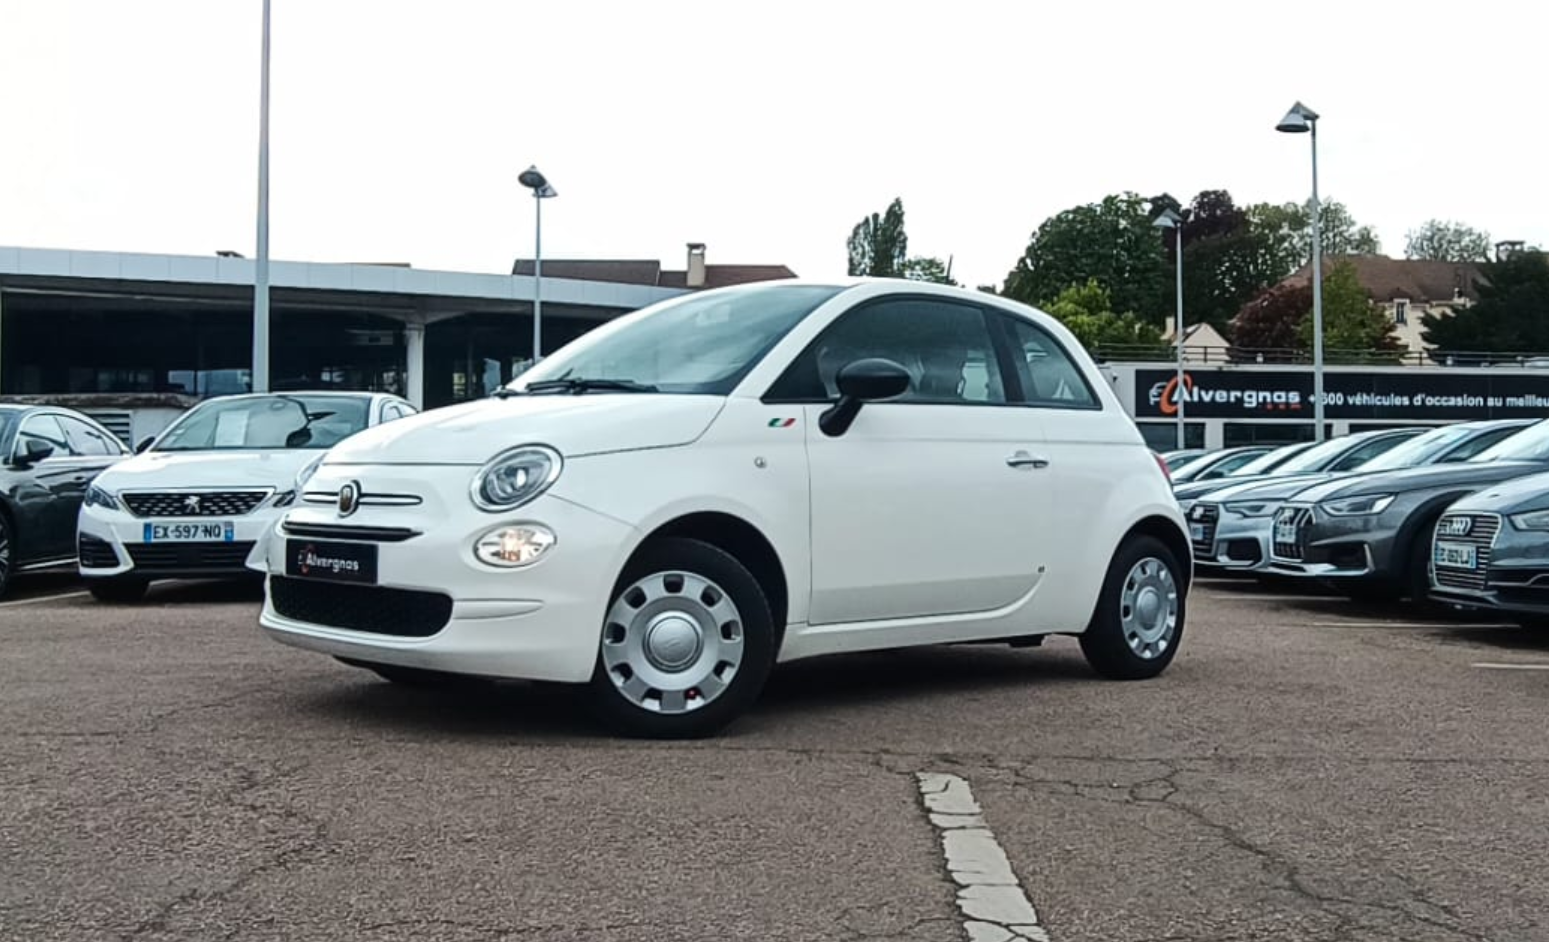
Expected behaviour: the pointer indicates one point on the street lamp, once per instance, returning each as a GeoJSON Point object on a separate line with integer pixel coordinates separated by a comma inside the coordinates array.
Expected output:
{"type": "Point", "coordinates": [260, 380]}
{"type": "Point", "coordinates": [1171, 220]}
{"type": "Point", "coordinates": [1303, 120]}
{"type": "Point", "coordinates": [541, 190]}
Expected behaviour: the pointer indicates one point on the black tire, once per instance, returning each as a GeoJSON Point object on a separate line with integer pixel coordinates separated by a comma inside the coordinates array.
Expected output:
{"type": "Point", "coordinates": [7, 553]}
{"type": "Point", "coordinates": [1417, 572]}
{"type": "Point", "coordinates": [404, 676]}
{"type": "Point", "coordinates": [1104, 642]}
{"type": "Point", "coordinates": [694, 558]}
{"type": "Point", "coordinates": [118, 589]}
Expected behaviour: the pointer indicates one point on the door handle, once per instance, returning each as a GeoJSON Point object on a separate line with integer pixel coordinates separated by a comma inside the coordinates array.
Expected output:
{"type": "Point", "coordinates": [1024, 460]}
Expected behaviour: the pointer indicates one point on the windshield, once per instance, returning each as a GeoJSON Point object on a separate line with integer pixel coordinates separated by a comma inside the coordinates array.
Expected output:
{"type": "Point", "coordinates": [267, 422]}
{"type": "Point", "coordinates": [1418, 450]}
{"type": "Point", "coordinates": [700, 343]}
{"type": "Point", "coordinates": [1268, 462]}
{"type": "Point", "coordinates": [1530, 444]}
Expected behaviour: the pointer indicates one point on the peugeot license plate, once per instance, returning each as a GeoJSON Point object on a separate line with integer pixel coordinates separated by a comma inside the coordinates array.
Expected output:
{"type": "Point", "coordinates": [202, 531]}
{"type": "Point", "coordinates": [1456, 555]}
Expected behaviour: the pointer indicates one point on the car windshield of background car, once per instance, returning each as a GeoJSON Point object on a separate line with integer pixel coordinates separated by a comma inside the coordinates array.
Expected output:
{"type": "Point", "coordinates": [273, 422]}
{"type": "Point", "coordinates": [1315, 457]}
{"type": "Point", "coordinates": [698, 344]}
{"type": "Point", "coordinates": [1418, 450]}
{"type": "Point", "coordinates": [1270, 461]}
{"type": "Point", "coordinates": [1531, 444]}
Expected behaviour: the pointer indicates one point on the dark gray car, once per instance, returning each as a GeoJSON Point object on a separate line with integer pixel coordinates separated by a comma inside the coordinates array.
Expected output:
{"type": "Point", "coordinates": [1490, 550]}
{"type": "Point", "coordinates": [1334, 455]}
{"type": "Point", "coordinates": [48, 456]}
{"type": "Point", "coordinates": [1370, 536]}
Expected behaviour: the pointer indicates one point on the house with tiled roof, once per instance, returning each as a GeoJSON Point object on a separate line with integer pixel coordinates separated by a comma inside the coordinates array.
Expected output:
{"type": "Point", "coordinates": [1406, 288]}
{"type": "Point", "coordinates": [697, 275]}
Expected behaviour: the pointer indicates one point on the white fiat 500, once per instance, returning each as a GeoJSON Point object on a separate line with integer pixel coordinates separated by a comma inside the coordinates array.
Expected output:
{"type": "Point", "coordinates": [196, 500]}
{"type": "Point", "coordinates": [678, 500]}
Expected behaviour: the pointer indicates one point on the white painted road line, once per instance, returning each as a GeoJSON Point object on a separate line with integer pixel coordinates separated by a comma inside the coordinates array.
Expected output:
{"type": "Point", "coordinates": [44, 598]}
{"type": "Point", "coordinates": [1491, 666]}
{"type": "Point", "coordinates": [991, 900]}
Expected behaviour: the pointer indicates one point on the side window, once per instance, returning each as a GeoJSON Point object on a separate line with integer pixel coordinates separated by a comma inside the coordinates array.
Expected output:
{"type": "Point", "coordinates": [1478, 443]}
{"type": "Point", "coordinates": [945, 347]}
{"type": "Point", "coordinates": [44, 429]}
{"type": "Point", "coordinates": [85, 440]}
{"type": "Point", "coordinates": [1228, 465]}
{"type": "Point", "coordinates": [1364, 453]}
{"type": "Point", "coordinates": [1049, 378]}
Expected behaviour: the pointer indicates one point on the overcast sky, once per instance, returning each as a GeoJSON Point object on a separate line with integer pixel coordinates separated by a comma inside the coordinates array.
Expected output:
{"type": "Point", "coordinates": [765, 130]}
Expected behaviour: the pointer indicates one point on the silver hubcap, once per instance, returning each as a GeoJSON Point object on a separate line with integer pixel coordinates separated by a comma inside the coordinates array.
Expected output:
{"type": "Point", "coordinates": [1148, 608]}
{"type": "Point", "coordinates": [672, 642]}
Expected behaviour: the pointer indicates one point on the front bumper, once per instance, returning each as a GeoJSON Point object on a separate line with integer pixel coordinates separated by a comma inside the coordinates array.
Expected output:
{"type": "Point", "coordinates": [1228, 541]}
{"type": "Point", "coordinates": [1500, 568]}
{"type": "Point", "coordinates": [1304, 543]}
{"type": "Point", "coordinates": [116, 543]}
{"type": "Point", "coordinates": [432, 604]}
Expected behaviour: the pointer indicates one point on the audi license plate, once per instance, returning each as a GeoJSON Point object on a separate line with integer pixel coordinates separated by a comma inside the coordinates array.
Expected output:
{"type": "Point", "coordinates": [1456, 555]}
{"type": "Point", "coordinates": [1196, 532]}
{"type": "Point", "coordinates": [190, 532]}
{"type": "Point", "coordinates": [1285, 532]}
{"type": "Point", "coordinates": [336, 562]}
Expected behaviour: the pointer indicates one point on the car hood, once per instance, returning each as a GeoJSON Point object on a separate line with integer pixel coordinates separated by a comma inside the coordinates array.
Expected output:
{"type": "Point", "coordinates": [1198, 490]}
{"type": "Point", "coordinates": [161, 470]}
{"type": "Point", "coordinates": [474, 432]}
{"type": "Point", "coordinates": [1459, 474]}
{"type": "Point", "coordinates": [1267, 488]}
{"type": "Point", "coordinates": [1516, 496]}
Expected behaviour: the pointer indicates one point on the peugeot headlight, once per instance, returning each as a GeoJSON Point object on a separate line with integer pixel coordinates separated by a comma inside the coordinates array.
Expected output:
{"type": "Point", "coordinates": [1357, 506]}
{"type": "Point", "coordinates": [97, 497]}
{"type": "Point", "coordinates": [1251, 508]}
{"type": "Point", "coordinates": [305, 474]}
{"type": "Point", "coordinates": [515, 477]}
{"type": "Point", "coordinates": [1532, 520]}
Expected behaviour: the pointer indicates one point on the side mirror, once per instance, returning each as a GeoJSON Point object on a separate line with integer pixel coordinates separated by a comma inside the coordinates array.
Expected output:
{"type": "Point", "coordinates": [861, 382]}
{"type": "Point", "coordinates": [35, 452]}
{"type": "Point", "coordinates": [144, 444]}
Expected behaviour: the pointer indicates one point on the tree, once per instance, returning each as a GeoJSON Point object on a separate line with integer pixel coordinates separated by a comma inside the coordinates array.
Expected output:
{"type": "Point", "coordinates": [878, 245]}
{"type": "Point", "coordinates": [1270, 324]}
{"type": "Point", "coordinates": [1509, 316]}
{"type": "Point", "coordinates": [1287, 232]}
{"type": "Point", "coordinates": [1111, 242]}
{"type": "Point", "coordinates": [1352, 324]}
{"type": "Point", "coordinates": [1226, 262]}
{"type": "Point", "coordinates": [1447, 241]}
{"type": "Point", "coordinates": [931, 269]}
{"type": "Point", "coordinates": [1087, 310]}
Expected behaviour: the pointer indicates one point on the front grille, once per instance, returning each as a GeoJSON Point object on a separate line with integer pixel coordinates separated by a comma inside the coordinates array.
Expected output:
{"type": "Point", "coordinates": [189, 556]}
{"type": "Point", "coordinates": [1298, 518]}
{"type": "Point", "coordinates": [405, 613]}
{"type": "Point", "coordinates": [193, 503]}
{"type": "Point", "coordinates": [337, 531]}
{"type": "Point", "coordinates": [1482, 529]}
{"type": "Point", "coordinates": [94, 553]}
{"type": "Point", "coordinates": [1207, 517]}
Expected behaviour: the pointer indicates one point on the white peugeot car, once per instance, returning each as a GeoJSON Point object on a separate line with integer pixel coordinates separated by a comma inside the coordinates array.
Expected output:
{"type": "Point", "coordinates": [194, 502]}
{"type": "Point", "coordinates": [681, 498]}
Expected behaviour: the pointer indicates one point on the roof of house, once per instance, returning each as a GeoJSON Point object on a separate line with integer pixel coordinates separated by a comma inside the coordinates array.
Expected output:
{"type": "Point", "coordinates": [649, 272]}
{"type": "Point", "coordinates": [1415, 279]}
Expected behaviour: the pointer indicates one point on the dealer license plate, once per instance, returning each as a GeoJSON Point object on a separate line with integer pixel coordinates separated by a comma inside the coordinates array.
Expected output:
{"type": "Point", "coordinates": [1196, 531]}
{"type": "Point", "coordinates": [1456, 555]}
{"type": "Point", "coordinates": [191, 532]}
{"type": "Point", "coordinates": [335, 562]}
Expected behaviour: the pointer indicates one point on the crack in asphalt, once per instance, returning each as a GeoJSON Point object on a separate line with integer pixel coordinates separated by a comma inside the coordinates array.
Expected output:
{"type": "Point", "coordinates": [1163, 791]}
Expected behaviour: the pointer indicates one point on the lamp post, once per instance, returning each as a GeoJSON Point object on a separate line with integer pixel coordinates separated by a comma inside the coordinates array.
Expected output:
{"type": "Point", "coordinates": [260, 381]}
{"type": "Point", "coordinates": [541, 190]}
{"type": "Point", "coordinates": [1303, 120]}
{"type": "Point", "coordinates": [1171, 220]}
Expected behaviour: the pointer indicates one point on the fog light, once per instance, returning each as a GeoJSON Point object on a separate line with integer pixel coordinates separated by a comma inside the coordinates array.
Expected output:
{"type": "Point", "coordinates": [515, 545]}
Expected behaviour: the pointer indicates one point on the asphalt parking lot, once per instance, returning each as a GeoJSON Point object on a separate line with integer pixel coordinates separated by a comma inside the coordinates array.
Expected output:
{"type": "Point", "coordinates": [1307, 770]}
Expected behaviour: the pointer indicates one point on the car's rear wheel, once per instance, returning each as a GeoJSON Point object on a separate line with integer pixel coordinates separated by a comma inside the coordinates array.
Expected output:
{"type": "Point", "coordinates": [1138, 622]}
{"type": "Point", "coordinates": [123, 589]}
{"type": "Point", "coordinates": [687, 643]}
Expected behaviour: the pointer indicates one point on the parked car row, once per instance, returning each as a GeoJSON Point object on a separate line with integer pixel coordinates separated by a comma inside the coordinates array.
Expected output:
{"type": "Point", "coordinates": [1454, 515]}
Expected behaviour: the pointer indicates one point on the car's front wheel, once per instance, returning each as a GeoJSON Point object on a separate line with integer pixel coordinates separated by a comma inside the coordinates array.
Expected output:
{"type": "Point", "coordinates": [121, 589]}
{"type": "Point", "coordinates": [687, 643]}
{"type": "Point", "coordinates": [1138, 621]}
{"type": "Point", "coordinates": [5, 554]}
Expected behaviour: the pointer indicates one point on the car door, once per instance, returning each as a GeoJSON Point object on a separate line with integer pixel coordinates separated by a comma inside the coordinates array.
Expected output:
{"type": "Point", "coordinates": [47, 507]}
{"type": "Point", "coordinates": [929, 504]}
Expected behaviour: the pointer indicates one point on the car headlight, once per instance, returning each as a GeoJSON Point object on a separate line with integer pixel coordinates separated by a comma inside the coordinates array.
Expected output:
{"type": "Point", "coordinates": [515, 545]}
{"type": "Point", "coordinates": [1251, 508]}
{"type": "Point", "coordinates": [1357, 506]}
{"type": "Point", "coordinates": [1532, 520]}
{"type": "Point", "coordinates": [97, 497]}
{"type": "Point", "coordinates": [284, 498]}
{"type": "Point", "coordinates": [515, 477]}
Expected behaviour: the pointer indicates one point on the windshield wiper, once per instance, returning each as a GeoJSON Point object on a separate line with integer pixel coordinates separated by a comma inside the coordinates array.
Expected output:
{"type": "Point", "coordinates": [578, 386]}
